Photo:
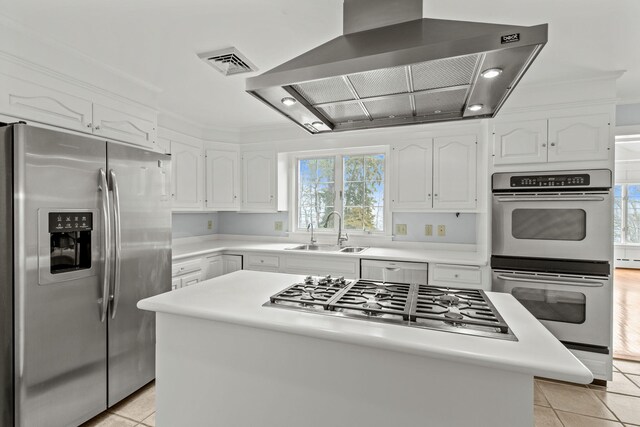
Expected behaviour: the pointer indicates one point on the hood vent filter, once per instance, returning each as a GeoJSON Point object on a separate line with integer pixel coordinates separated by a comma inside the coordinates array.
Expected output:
{"type": "Point", "coordinates": [228, 61]}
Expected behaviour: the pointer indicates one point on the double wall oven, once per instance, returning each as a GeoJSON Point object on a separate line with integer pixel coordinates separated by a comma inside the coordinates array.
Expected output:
{"type": "Point", "coordinates": [552, 250]}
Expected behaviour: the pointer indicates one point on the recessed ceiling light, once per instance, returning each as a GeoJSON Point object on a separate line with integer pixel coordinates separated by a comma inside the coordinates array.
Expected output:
{"type": "Point", "coordinates": [288, 101]}
{"type": "Point", "coordinates": [491, 73]}
{"type": "Point", "coordinates": [475, 107]}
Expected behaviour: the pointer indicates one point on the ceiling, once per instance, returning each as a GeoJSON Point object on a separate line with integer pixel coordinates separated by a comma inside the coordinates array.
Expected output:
{"type": "Point", "coordinates": [157, 41]}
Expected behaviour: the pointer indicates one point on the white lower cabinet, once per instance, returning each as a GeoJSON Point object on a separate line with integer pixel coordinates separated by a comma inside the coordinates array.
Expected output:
{"type": "Point", "coordinates": [320, 266]}
{"type": "Point", "coordinates": [186, 272]}
{"type": "Point", "coordinates": [231, 263]}
{"type": "Point", "coordinates": [212, 266]}
{"type": "Point", "coordinates": [262, 262]}
{"type": "Point", "coordinates": [394, 271]}
{"type": "Point", "coordinates": [453, 275]}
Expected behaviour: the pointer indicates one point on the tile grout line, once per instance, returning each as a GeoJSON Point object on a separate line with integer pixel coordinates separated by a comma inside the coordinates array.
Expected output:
{"type": "Point", "coordinates": [557, 416]}
{"type": "Point", "coordinates": [129, 418]}
{"type": "Point", "coordinates": [607, 406]}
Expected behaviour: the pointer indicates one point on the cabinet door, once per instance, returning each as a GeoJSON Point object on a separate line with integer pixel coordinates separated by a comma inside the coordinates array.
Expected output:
{"type": "Point", "coordinates": [186, 176]}
{"type": "Point", "coordinates": [231, 263]}
{"type": "Point", "coordinates": [122, 126]}
{"type": "Point", "coordinates": [411, 183]}
{"type": "Point", "coordinates": [259, 181]}
{"type": "Point", "coordinates": [223, 177]}
{"type": "Point", "coordinates": [32, 102]}
{"type": "Point", "coordinates": [520, 142]}
{"type": "Point", "coordinates": [212, 267]}
{"type": "Point", "coordinates": [579, 138]}
{"type": "Point", "coordinates": [394, 271]}
{"type": "Point", "coordinates": [454, 172]}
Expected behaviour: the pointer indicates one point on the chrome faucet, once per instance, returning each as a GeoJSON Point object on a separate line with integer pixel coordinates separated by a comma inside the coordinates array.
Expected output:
{"type": "Point", "coordinates": [313, 240]}
{"type": "Point", "coordinates": [341, 238]}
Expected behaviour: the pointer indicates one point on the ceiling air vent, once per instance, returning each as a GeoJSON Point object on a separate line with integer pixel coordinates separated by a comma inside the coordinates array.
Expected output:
{"type": "Point", "coordinates": [228, 61]}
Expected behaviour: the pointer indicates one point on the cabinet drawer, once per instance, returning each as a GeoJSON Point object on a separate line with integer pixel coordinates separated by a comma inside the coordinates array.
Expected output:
{"type": "Point", "coordinates": [470, 274]}
{"type": "Point", "coordinates": [191, 278]}
{"type": "Point", "coordinates": [263, 261]}
{"type": "Point", "coordinates": [394, 271]}
{"type": "Point", "coordinates": [320, 266]}
{"type": "Point", "coordinates": [184, 267]}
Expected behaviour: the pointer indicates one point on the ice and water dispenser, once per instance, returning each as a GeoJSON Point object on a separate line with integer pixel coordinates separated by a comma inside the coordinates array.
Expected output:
{"type": "Point", "coordinates": [70, 241]}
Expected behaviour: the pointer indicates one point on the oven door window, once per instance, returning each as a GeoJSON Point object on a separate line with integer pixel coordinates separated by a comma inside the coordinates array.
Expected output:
{"type": "Point", "coordinates": [556, 306]}
{"type": "Point", "coordinates": [549, 224]}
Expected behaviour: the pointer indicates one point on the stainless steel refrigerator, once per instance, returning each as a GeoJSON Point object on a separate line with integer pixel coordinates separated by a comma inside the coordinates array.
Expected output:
{"type": "Point", "coordinates": [85, 233]}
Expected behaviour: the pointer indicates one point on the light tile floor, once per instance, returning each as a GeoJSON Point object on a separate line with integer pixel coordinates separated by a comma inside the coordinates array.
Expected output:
{"type": "Point", "coordinates": [571, 405]}
{"type": "Point", "coordinates": [556, 404]}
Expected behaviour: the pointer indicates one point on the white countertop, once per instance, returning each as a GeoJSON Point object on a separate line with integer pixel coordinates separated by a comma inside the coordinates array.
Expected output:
{"type": "Point", "coordinates": [238, 297]}
{"type": "Point", "coordinates": [192, 248]}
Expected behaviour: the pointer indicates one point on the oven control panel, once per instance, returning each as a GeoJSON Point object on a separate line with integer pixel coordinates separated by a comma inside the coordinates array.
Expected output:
{"type": "Point", "coordinates": [577, 180]}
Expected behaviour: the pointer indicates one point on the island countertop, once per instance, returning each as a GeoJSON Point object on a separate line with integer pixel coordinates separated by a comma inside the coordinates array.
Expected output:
{"type": "Point", "coordinates": [238, 298]}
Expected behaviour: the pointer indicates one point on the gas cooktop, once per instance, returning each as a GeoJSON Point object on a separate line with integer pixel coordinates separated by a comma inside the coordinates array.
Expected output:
{"type": "Point", "coordinates": [465, 311]}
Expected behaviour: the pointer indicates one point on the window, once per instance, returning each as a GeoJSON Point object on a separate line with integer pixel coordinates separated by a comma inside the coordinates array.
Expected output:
{"type": "Point", "coordinates": [351, 184]}
{"type": "Point", "coordinates": [626, 213]}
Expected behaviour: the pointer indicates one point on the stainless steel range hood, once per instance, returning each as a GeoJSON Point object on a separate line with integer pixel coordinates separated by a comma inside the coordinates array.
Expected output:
{"type": "Point", "coordinates": [391, 67]}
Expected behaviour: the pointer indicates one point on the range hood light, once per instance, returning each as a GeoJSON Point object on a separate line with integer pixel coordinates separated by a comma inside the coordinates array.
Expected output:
{"type": "Point", "coordinates": [319, 126]}
{"type": "Point", "coordinates": [475, 107]}
{"type": "Point", "coordinates": [288, 101]}
{"type": "Point", "coordinates": [491, 73]}
{"type": "Point", "coordinates": [438, 111]}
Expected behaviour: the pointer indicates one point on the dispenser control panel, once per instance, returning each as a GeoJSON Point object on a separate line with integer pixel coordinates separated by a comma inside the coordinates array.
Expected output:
{"type": "Point", "coordinates": [70, 221]}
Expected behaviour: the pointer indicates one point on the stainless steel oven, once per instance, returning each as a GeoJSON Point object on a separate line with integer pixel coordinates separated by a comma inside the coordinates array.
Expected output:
{"type": "Point", "coordinates": [566, 214]}
{"type": "Point", "coordinates": [575, 307]}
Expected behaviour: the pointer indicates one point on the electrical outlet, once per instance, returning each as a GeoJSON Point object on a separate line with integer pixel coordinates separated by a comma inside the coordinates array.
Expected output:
{"type": "Point", "coordinates": [278, 226]}
{"type": "Point", "coordinates": [428, 230]}
{"type": "Point", "coordinates": [442, 230]}
{"type": "Point", "coordinates": [401, 229]}
{"type": "Point", "coordinates": [210, 224]}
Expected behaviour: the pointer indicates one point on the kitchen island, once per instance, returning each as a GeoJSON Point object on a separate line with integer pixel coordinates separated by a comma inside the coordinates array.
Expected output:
{"type": "Point", "coordinates": [223, 359]}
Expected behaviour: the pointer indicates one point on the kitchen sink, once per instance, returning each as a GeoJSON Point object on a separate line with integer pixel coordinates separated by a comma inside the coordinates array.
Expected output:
{"type": "Point", "coordinates": [324, 248]}
{"type": "Point", "coordinates": [353, 249]}
{"type": "Point", "coordinates": [328, 248]}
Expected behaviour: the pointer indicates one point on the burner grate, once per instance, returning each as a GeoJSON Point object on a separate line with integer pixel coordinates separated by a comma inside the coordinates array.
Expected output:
{"type": "Point", "coordinates": [372, 298]}
{"type": "Point", "coordinates": [464, 306]}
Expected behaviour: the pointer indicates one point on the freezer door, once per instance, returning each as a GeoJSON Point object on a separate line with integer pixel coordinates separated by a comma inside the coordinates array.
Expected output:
{"type": "Point", "coordinates": [139, 182]}
{"type": "Point", "coordinates": [60, 341]}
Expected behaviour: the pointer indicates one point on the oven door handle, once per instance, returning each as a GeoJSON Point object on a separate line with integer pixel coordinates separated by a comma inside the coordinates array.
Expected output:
{"type": "Point", "coordinates": [552, 199]}
{"type": "Point", "coordinates": [587, 283]}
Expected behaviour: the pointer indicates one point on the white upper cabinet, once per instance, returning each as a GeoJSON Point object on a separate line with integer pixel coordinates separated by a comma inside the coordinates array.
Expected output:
{"type": "Point", "coordinates": [454, 172]}
{"type": "Point", "coordinates": [119, 125]}
{"type": "Point", "coordinates": [520, 142]}
{"type": "Point", "coordinates": [435, 173]}
{"type": "Point", "coordinates": [187, 178]}
{"type": "Point", "coordinates": [563, 139]}
{"type": "Point", "coordinates": [411, 175]}
{"type": "Point", "coordinates": [579, 138]}
{"type": "Point", "coordinates": [33, 102]}
{"type": "Point", "coordinates": [259, 183]}
{"type": "Point", "coordinates": [222, 180]}
{"type": "Point", "coordinates": [117, 120]}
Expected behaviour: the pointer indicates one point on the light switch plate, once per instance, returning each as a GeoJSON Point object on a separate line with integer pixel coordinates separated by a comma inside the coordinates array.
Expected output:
{"type": "Point", "coordinates": [442, 230]}
{"type": "Point", "coordinates": [210, 224]}
{"type": "Point", "coordinates": [278, 226]}
{"type": "Point", "coordinates": [401, 229]}
{"type": "Point", "coordinates": [428, 230]}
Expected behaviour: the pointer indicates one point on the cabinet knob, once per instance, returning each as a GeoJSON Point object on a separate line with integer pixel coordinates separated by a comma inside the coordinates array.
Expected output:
{"type": "Point", "coordinates": [435, 195]}
{"type": "Point", "coordinates": [97, 127]}
{"type": "Point", "coordinates": [88, 125]}
{"type": "Point", "coordinates": [544, 145]}
{"type": "Point", "coordinates": [455, 275]}
{"type": "Point", "coordinates": [553, 144]}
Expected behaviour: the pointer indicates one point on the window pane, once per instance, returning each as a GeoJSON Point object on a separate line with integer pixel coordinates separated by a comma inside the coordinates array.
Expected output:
{"type": "Point", "coordinates": [364, 192]}
{"type": "Point", "coordinates": [617, 214]}
{"type": "Point", "coordinates": [633, 213]}
{"type": "Point", "coordinates": [316, 190]}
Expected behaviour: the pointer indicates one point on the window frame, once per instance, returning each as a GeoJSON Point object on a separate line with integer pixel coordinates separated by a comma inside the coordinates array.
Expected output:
{"type": "Point", "coordinates": [624, 194]}
{"type": "Point", "coordinates": [339, 155]}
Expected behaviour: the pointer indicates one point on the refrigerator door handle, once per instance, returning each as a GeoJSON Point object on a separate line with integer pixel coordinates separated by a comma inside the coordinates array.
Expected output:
{"type": "Point", "coordinates": [106, 271]}
{"type": "Point", "coordinates": [118, 243]}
